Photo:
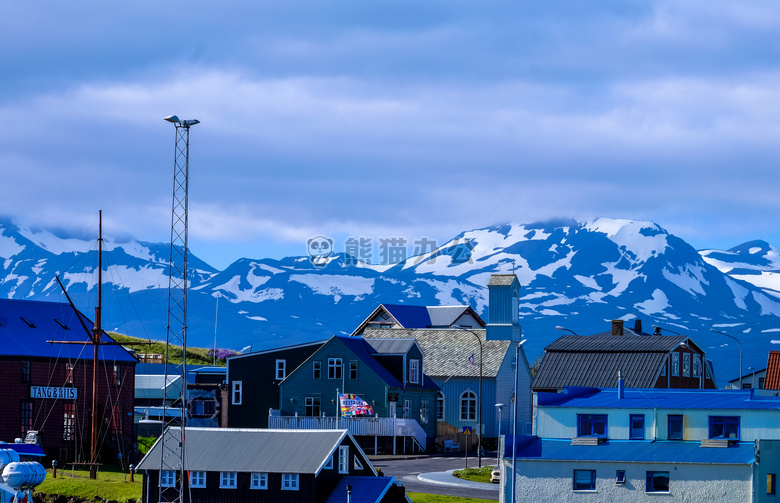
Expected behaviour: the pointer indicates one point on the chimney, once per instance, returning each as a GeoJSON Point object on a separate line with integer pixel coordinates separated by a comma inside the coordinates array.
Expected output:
{"type": "Point", "coordinates": [617, 327]}
{"type": "Point", "coordinates": [638, 326]}
{"type": "Point", "coordinates": [621, 385]}
{"type": "Point", "coordinates": [657, 331]}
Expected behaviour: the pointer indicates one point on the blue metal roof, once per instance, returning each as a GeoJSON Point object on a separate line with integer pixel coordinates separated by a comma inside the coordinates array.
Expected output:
{"type": "Point", "coordinates": [630, 451]}
{"type": "Point", "coordinates": [636, 398]}
{"type": "Point", "coordinates": [26, 326]}
{"type": "Point", "coordinates": [366, 489]}
{"type": "Point", "coordinates": [409, 316]}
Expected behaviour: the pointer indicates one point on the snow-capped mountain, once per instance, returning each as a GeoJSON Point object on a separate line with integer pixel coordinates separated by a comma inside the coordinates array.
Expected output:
{"type": "Point", "coordinates": [576, 274]}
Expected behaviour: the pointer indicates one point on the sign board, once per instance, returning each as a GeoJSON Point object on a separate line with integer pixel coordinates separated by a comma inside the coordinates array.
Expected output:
{"type": "Point", "coordinates": [392, 397]}
{"type": "Point", "coordinates": [54, 393]}
{"type": "Point", "coordinates": [467, 430]}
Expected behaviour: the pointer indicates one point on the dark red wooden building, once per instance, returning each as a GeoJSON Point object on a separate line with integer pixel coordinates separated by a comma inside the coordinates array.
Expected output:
{"type": "Point", "coordinates": [48, 387]}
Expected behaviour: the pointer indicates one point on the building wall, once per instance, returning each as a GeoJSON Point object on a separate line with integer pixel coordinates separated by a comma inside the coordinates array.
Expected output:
{"type": "Point", "coordinates": [505, 385]}
{"type": "Point", "coordinates": [767, 462]}
{"type": "Point", "coordinates": [541, 481]}
{"type": "Point", "coordinates": [48, 414]}
{"type": "Point", "coordinates": [454, 388]}
{"type": "Point", "coordinates": [257, 373]}
{"type": "Point", "coordinates": [561, 422]}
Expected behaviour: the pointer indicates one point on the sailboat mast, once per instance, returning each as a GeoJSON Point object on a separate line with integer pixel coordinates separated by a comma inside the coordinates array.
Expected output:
{"type": "Point", "coordinates": [96, 345]}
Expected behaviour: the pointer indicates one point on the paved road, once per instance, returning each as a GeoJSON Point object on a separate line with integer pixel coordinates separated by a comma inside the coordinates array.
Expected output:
{"type": "Point", "coordinates": [433, 475]}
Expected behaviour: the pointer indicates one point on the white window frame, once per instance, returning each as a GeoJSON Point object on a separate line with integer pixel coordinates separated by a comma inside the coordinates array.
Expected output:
{"type": "Point", "coordinates": [440, 403]}
{"type": "Point", "coordinates": [281, 369]}
{"type": "Point", "coordinates": [353, 370]}
{"type": "Point", "coordinates": [197, 479]}
{"type": "Point", "coordinates": [259, 481]}
{"type": "Point", "coordinates": [358, 464]}
{"type": "Point", "coordinates": [289, 482]}
{"type": "Point", "coordinates": [228, 480]}
{"type": "Point", "coordinates": [468, 398]}
{"type": "Point", "coordinates": [425, 411]}
{"type": "Point", "coordinates": [316, 372]}
{"type": "Point", "coordinates": [407, 409]}
{"type": "Point", "coordinates": [238, 393]}
{"type": "Point", "coordinates": [414, 371]}
{"type": "Point", "coordinates": [343, 459]}
{"type": "Point", "coordinates": [329, 464]}
{"type": "Point", "coordinates": [167, 478]}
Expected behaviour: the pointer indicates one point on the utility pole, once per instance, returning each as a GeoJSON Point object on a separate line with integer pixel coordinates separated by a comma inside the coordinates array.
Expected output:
{"type": "Point", "coordinates": [173, 443]}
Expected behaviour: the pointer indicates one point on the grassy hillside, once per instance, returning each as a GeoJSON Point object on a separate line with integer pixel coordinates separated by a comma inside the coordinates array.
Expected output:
{"type": "Point", "coordinates": [195, 356]}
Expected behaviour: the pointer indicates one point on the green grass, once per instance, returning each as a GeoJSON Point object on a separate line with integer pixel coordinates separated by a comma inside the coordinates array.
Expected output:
{"type": "Point", "coordinates": [195, 356]}
{"type": "Point", "coordinates": [475, 474]}
{"type": "Point", "coordinates": [436, 498]}
{"type": "Point", "coordinates": [111, 484]}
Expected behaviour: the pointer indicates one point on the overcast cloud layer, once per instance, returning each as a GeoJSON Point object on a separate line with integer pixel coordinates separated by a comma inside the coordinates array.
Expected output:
{"type": "Point", "coordinates": [414, 118]}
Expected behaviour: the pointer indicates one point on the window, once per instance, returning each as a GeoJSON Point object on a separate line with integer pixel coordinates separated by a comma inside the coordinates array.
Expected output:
{"type": "Point", "coordinates": [771, 479]}
{"type": "Point", "coordinates": [259, 481]}
{"type": "Point", "coordinates": [657, 482]}
{"type": "Point", "coordinates": [343, 459]}
{"type": "Point", "coordinates": [68, 373]}
{"type": "Point", "coordinates": [117, 375]}
{"type": "Point", "coordinates": [227, 480]}
{"type": "Point", "coordinates": [316, 370]}
{"type": "Point", "coordinates": [414, 371]}
{"type": "Point", "coordinates": [334, 368]}
{"type": "Point", "coordinates": [312, 406]}
{"type": "Point", "coordinates": [697, 365]}
{"type": "Point", "coordinates": [357, 463]}
{"type": "Point", "coordinates": [592, 425]}
{"type": "Point", "coordinates": [663, 370]}
{"type": "Point", "coordinates": [203, 407]}
{"type": "Point", "coordinates": [167, 478]}
{"type": "Point", "coordinates": [686, 365]}
{"type": "Point", "coordinates": [424, 411]}
{"type": "Point", "coordinates": [675, 427]}
{"type": "Point", "coordinates": [289, 481]}
{"type": "Point", "coordinates": [620, 477]}
{"type": "Point", "coordinates": [69, 422]}
{"type": "Point", "coordinates": [675, 364]}
{"type": "Point", "coordinates": [237, 393]}
{"type": "Point", "coordinates": [636, 429]}
{"type": "Point", "coordinates": [761, 381]}
{"type": "Point", "coordinates": [584, 480]}
{"type": "Point", "coordinates": [468, 406]}
{"type": "Point", "coordinates": [440, 406]}
{"type": "Point", "coordinates": [26, 371]}
{"type": "Point", "coordinates": [26, 417]}
{"type": "Point", "coordinates": [117, 419]}
{"type": "Point", "coordinates": [407, 409]}
{"type": "Point", "coordinates": [724, 427]}
{"type": "Point", "coordinates": [281, 366]}
{"type": "Point", "coordinates": [353, 370]}
{"type": "Point", "coordinates": [197, 479]}
{"type": "Point", "coordinates": [329, 464]}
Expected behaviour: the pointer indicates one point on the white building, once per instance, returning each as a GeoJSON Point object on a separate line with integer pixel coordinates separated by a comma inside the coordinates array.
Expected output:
{"type": "Point", "coordinates": [607, 444]}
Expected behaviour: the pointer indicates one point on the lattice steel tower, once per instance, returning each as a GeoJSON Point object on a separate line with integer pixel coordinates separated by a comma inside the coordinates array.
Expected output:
{"type": "Point", "coordinates": [172, 460]}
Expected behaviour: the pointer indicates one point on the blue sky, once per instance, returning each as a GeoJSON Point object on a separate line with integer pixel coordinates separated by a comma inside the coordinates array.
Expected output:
{"type": "Point", "coordinates": [401, 118]}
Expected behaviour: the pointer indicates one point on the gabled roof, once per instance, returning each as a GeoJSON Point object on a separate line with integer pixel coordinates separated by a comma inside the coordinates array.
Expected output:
{"type": "Point", "coordinates": [364, 489]}
{"type": "Point", "coordinates": [152, 387]}
{"type": "Point", "coordinates": [313, 345]}
{"type": "Point", "coordinates": [252, 450]}
{"type": "Point", "coordinates": [595, 360]}
{"type": "Point", "coordinates": [26, 326]}
{"type": "Point", "coordinates": [407, 316]}
{"type": "Point", "coordinates": [773, 371]}
{"type": "Point", "coordinates": [391, 346]}
{"type": "Point", "coordinates": [447, 350]}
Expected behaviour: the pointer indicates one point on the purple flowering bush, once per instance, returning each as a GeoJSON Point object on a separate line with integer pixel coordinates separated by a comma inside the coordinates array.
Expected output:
{"type": "Point", "coordinates": [222, 354]}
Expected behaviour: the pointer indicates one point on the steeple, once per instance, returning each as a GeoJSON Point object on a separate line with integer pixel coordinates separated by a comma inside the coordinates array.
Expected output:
{"type": "Point", "coordinates": [503, 308]}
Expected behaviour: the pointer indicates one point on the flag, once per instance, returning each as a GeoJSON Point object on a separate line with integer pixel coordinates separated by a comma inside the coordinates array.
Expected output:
{"type": "Point", "coordinates": [471, 361]}
{"type": "Point", "coordinates": [353, 405]}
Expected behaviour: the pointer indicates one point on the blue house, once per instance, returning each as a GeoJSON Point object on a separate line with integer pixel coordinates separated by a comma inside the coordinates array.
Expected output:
{"type": "Point", "coordinates": [629, 444]}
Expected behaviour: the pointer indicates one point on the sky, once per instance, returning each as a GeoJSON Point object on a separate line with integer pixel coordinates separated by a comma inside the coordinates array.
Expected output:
{"type": "Point", "coordinates": [404, 118]}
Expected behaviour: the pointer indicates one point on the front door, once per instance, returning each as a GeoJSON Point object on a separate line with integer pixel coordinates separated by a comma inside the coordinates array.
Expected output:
{"type": "Point", "coordinates": [392, 409]}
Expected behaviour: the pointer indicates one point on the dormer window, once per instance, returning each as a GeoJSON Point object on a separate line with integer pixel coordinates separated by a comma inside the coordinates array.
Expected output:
{"type": "Point", "coordinates": [414, 371]}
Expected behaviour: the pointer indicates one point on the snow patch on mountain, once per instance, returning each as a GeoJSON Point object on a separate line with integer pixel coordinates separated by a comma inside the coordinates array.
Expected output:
{"type": "Point", "coordinates": [768, 306]}
{"type": "Point", "coordinates": [9, 247]}
{"type": "Point", "coordinates": [334, 285]}
{"type": "Point", "coordinates": [654, 305]}
{"type": "Point", "coordinates": [766, 280]}
{"type": "Point", "coordinates": [644, 239]}
{"type": "Point", "coordinates": [55, 244]}
{"type": "Point", "coordinates": [689, 278]}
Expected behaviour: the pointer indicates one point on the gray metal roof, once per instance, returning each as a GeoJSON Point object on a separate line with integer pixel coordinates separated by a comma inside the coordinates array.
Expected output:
{"type": "Point", "coordinates": [152, 386]}
{"type": "Point", "coordinates": [445, 316]}
{"type": "Point", "coordinates": [447, 351]}
{"type": "Point", "coordinates": [595, 360]}
{"type": "Point", "coordinates": [390, 346]}
{"type": "Point", "coordinates": [250, 450]}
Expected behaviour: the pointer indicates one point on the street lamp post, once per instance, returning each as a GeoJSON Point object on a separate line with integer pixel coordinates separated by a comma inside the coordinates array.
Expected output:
{"type": "Point", "coordinates": [500, 407]}
{"type": "Point", "coordinates": [740, 352]}
{"type": "Point", "coordinates": [558, 327]}
{"type": "Point", "coordinates": [514, 420]}
{"type": "Point", "coordinates": [753, 378]}
{"type": "Point", "coordinates": [479, 399]}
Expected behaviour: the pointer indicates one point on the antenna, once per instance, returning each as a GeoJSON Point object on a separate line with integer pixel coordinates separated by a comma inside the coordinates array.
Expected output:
{"type": "Point", "coordinates": [173, 444]}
